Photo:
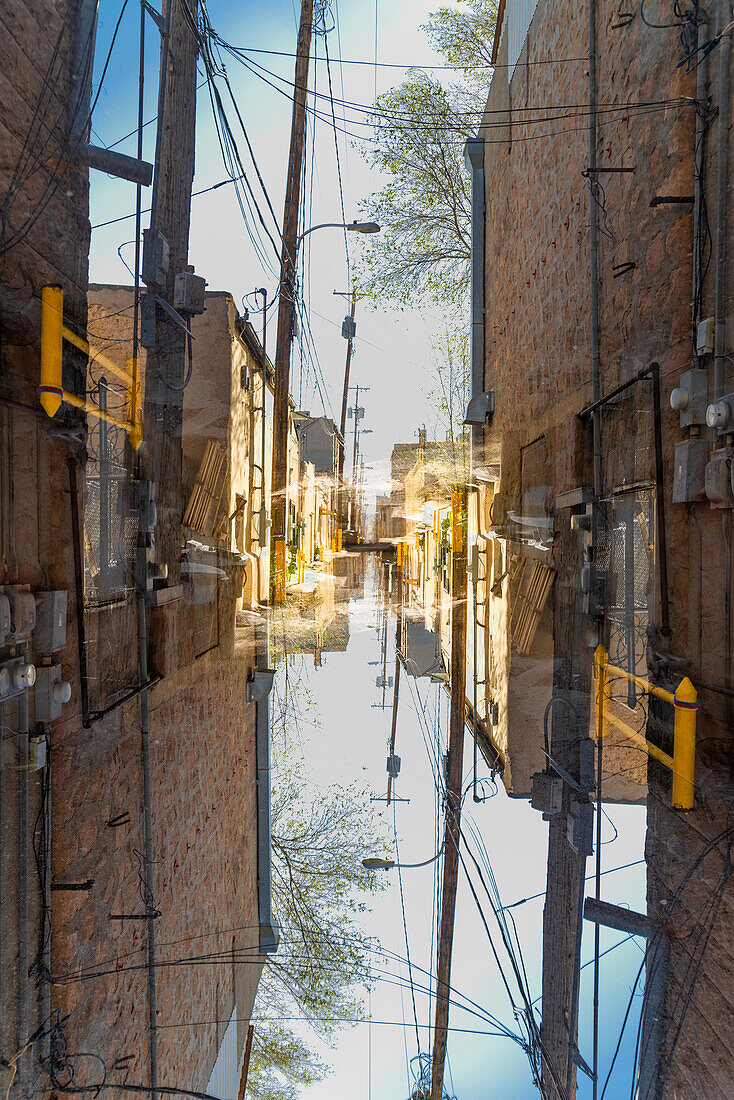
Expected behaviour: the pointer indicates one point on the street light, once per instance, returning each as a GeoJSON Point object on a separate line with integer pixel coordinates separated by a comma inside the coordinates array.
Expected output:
{"type": "Point", "coordinates": [354, 227]}
{"type": "Point", "coordinates": [374, 864]}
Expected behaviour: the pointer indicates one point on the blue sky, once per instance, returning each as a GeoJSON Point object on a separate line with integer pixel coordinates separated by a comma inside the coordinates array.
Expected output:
{"type": "Point", "coordinates": [393, 357]}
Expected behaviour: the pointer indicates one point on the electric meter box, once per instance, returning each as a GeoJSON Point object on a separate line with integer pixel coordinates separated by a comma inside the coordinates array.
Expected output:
{"type": "Point", "coordinates": [50, 632]}
{"type": "Point", "coordinates": [689, 475]}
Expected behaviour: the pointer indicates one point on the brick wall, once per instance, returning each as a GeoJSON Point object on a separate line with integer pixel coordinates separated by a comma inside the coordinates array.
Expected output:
{"type": "Point", "coordinates": [204, 829]}
{"type": "Point", "coordinates": [538, 361]}
{"type": "Point", "coordinates": [201, 729]}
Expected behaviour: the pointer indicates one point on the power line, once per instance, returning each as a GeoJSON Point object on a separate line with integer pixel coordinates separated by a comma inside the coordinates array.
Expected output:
{"type": "Point", "coordinates": [420, 65]}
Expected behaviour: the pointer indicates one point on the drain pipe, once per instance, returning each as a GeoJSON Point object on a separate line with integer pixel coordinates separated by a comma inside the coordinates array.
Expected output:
{"type": "Point", "coordinates": [722, 198]}
{"type": "Point", "coordinates": [147, 829]}
{"type": "Point", "coordinates": [23, 1026]}
{"type": "Point", "coordinates": [481, 404]}
{"type": "Point", "coordinates": [258, 691]}
{"type": "Point", "coordinates": [594, 259]}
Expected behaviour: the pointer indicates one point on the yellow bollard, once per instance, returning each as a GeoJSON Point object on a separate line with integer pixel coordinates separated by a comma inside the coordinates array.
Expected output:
{"type": "Point", "coordinates": [134, 411]}
{"type": "Point", "coordinates": [50, 389]}
{"type": "Point", "coordinates": [600, 683]}
{"type": "Point", "coordinates": [684, 745]}
{"type": "Point", "coordinates": [457, 523]}
{"type": "Point", "coordinates": [279, 580]}
{"type": "Point", "coordinates": [339, 538]}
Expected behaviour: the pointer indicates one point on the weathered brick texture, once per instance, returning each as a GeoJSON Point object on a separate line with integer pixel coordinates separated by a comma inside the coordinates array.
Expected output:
{"type": "Point", "coordinates": [538, 361]}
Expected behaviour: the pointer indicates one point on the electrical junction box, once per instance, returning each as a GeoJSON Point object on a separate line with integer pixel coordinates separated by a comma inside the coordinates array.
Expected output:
{"type": "Point", "coordinates": [4, 617]}
{"type": "Point", "coordinates": [189, 291]}
{"type": "Point", "coordinates": [689, 475]}
{"type": "Point", "coordinates": [690, 399]}
{"type": "Point", "coordinates": [705, 336]}
{"type": "Point", "coordinates": [147, 320]}
{"type": "Point", "coordinates": [718, 480]}
{"type": "Point", "coordinates": [156, 258]}
{"type": "Point", "coordinates": [50, 633]}
{"type": "Point", "coordinates": [22, 614]}
{"type": "Point", "coordinates": [36, 754]}
{"type": "Point", "coordinates": [580, 827]}
{"type": "Point", "coordinates": [493, 713]}
{"type": "Point", "coordinates": [547, 793]}
{"type": "Point", "coordinates": [51, 693]}
{"type": "Point", "coordinates": [349, 328]}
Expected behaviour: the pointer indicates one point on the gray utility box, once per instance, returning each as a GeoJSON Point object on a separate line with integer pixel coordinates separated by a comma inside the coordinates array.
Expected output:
{"type": "Point", "coordinates": [689, 476]}
{"type": "Point", "coordinates": [547, 793]}
{"type": "Point", "coordinates": [690, 399]}
{"type": "Point", "coordinates": [50, 632]}
{"type": "Point", "coordinates": [580, 827]}
{"type": "Point", "coordinates": [189, 292]}
{"type": "Point", "coordinates": [156, 259]}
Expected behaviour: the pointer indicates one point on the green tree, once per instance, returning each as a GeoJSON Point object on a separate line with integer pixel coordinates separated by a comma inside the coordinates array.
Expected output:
{"type": "Point", "coordinates": [420, 128]}
{"type": "Point", "coordinates": [319, 837]}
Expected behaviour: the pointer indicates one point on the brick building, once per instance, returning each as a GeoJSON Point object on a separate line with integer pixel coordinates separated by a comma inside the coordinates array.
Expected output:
{"type": "Point", "coordinates": [138, 931]}
{"type": "Point", "coordinates": [601, 211]}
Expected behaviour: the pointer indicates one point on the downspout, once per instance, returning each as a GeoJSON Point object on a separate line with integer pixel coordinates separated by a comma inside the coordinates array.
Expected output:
{"type": "Point", "coordinates": [148, 840]}
{"type": "Point", "coordinates": [595, 539]}
{"type": "Point", "coordinates": [481, 404]}
{"type": "Point", "coordinates": [722, 199]}
{"type": "Point", "coordinates": [594, 262]}
{"type": "Point", "coordinates": [23, 1025]}
{"type": "Point", "coordinates": [699, 155]}
{"type": "Point", "coordinates": [258, 691]}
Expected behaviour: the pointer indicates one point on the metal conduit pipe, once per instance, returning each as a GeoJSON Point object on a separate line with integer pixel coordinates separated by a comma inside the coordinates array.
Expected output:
{"type": "Point", "coordinates": [23, 1014]}
{"type": "Point", "coordinates": [594, 255]}
{"type": "Point", "coordinates": [148, 840]}
{"type": "Point", "coordinates": [259, 692]}
{"type": "Point", "coordinates": [699, 153]}
{"type": "Point", "coordinates": [481, 403]}
{"type": "Point", "coordinates": [724, 12]}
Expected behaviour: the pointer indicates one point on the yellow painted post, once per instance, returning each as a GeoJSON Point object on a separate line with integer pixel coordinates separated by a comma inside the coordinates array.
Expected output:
{"type": "Point", "coordinates": [280, 571]}
{"type": "Point", "coordinates": [50, 389]}
{"type": "Point", "coordinates": [457, 523]}
{"type": "Point", "coordinates": [134, 411]}
{"type": "Point", "coordinates": [684, 745]}
{"type": "Point", "coordinates": [600, 684]}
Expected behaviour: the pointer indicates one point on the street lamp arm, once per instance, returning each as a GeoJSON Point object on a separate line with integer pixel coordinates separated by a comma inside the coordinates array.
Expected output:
{"type": "Point", "coordinates": [387, 864]}
{"type": "Point", "coordinates": [356, 227]}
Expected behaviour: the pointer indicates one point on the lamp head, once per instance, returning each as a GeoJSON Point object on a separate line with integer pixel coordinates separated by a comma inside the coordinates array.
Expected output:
{"type": "Point", "coordinates": [364, 227]}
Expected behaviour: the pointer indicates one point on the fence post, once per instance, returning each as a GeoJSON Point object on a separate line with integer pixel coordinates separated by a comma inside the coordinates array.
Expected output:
{"type": "Point", "coordinates": [684, 745]}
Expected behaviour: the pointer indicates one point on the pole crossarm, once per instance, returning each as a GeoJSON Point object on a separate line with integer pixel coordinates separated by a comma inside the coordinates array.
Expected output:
{"type": "Point", "coordinates": [685, 703]}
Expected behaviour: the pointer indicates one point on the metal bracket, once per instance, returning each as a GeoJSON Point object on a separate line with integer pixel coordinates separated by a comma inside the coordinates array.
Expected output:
{"type": "Point", "coordinates": [260, 686]}
{"type": "Point", "coordinates": [155, 16]}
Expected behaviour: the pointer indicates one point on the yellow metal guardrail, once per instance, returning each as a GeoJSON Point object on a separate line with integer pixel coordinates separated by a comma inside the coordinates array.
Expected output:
{"type": "Point", "coordinates": [685, 702]}
{"type": "Point", "coordinates": [50, 389]}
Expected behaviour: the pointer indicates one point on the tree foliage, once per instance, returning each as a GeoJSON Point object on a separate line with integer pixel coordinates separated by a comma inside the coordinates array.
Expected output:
{"type": "Point", "coordinates": [319, 837]}
{"type": "Point", "coordinates": [420, 128]}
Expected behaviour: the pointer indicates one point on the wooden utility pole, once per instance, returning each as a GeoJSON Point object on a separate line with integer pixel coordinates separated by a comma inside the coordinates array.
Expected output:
{"type": "Point", "coordinates": [454, 782]}
{"type": "Point", "coordinates": [286, 306]}
{"type": "Point", "coordinates": [343, 421]}
{"type": "Point", "coordinates": [170, 216]}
